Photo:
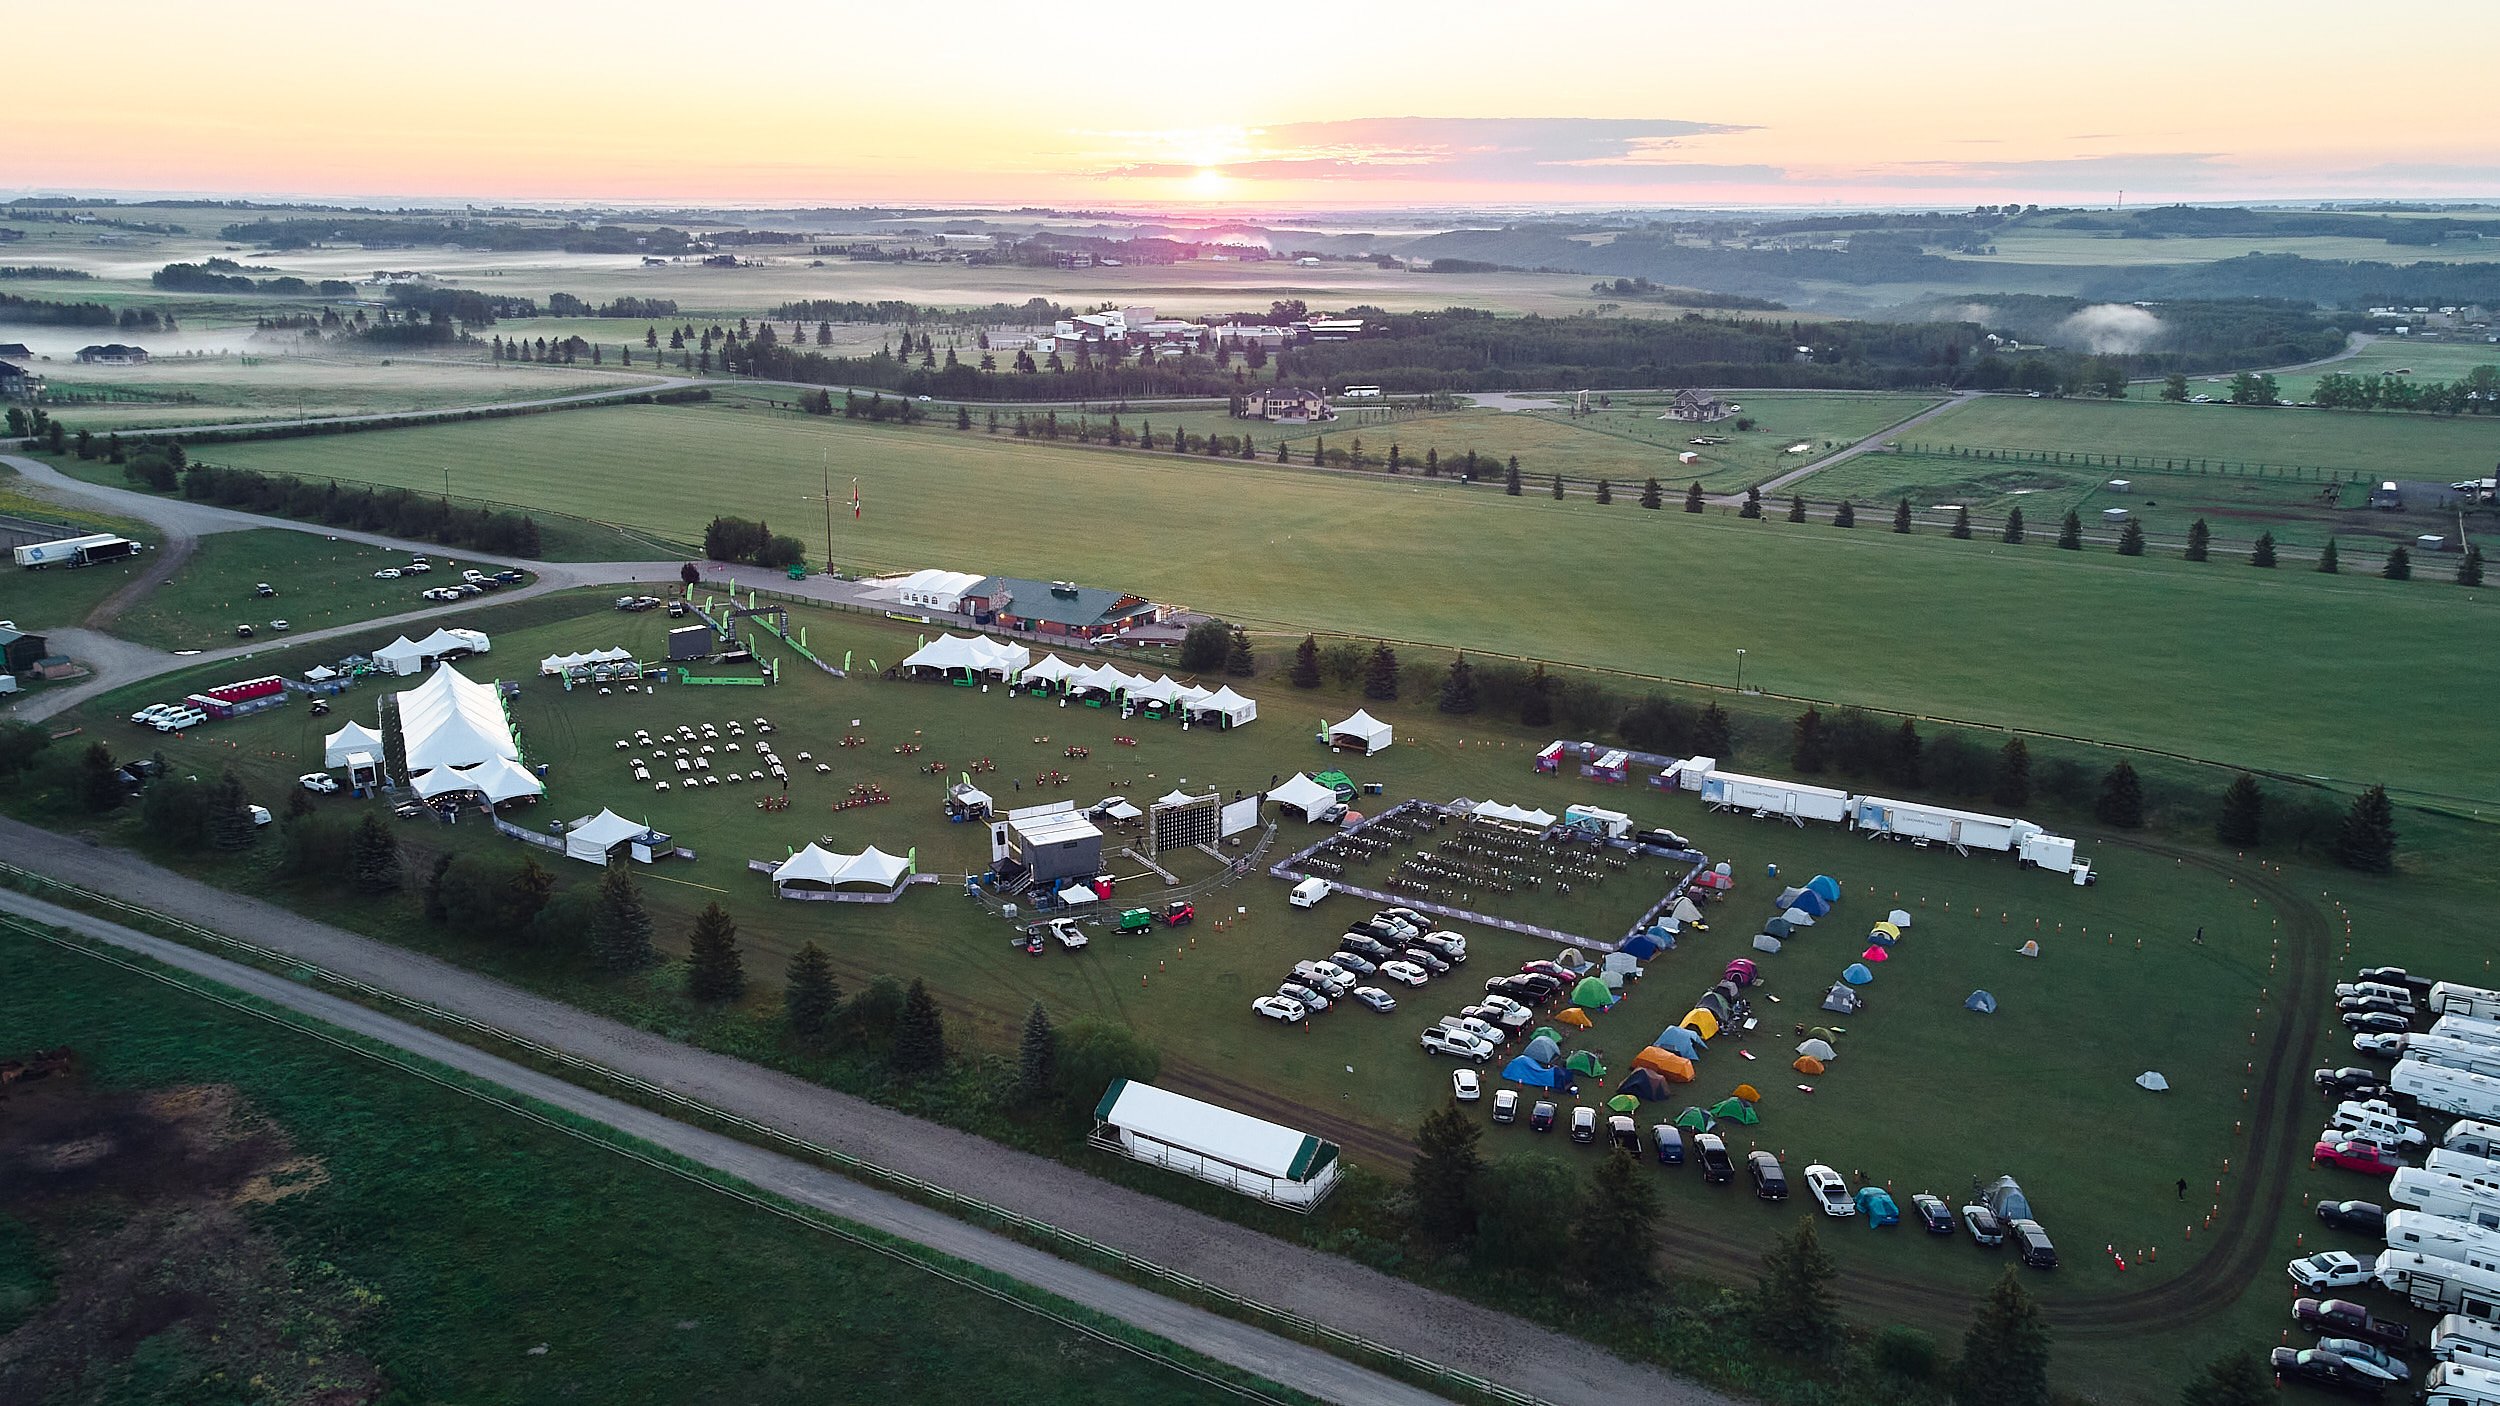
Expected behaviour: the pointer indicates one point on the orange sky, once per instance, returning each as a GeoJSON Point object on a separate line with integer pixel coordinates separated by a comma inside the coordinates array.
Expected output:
{"type": "Point", "coordinates": [786, 101]}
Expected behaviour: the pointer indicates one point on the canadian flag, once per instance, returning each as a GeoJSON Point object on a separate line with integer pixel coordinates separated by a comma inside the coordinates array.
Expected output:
{"type": "Point", "coordinates": [854, 500]}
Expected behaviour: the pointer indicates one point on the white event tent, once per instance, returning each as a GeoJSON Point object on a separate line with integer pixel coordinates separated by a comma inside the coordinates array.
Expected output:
{"type": "Point", "coordinates": [450, 721]}
{"type": "Point", "coordinates": [1363, 731]}
{"type": "Point", "coordinates": [1050, 669]}
{"type": "Point", "coordinates": [347, 741]}
{"type": "Point", "coordinates": [971, 654]}
{"type": "Point", "coordinates": [819, 867]}
{"type": "Point", "coordinates": [1224, 708]}
{"type": "Point", "coordinates": [1495, 810]}
{"type": "Point", "coordinates": [1305, 795]}
{"type": "Point", "coordinates": [593, 838]}
{"type": "Point", "coordinates": [563, 663]}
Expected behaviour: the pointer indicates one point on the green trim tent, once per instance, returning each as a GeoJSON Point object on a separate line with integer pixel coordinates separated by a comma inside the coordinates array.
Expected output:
{"type": "Point", "coordinates": [1584, 1062]}
{"type": "Point", "coordinates": [1591, 994]}
{"type": "Point", "coordinates": [1735, 1110]}
{"type": "Point", "coordinates": [1696, 1118]}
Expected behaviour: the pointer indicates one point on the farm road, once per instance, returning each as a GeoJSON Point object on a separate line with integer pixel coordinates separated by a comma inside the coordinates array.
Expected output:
{"type": "Point", "coordinates": [1871, 442]}
{"type": "Point", "coordinates": [1473, 1339]}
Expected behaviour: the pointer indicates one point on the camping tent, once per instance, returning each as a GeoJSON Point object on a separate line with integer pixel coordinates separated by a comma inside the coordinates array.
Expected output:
{"type": "Point", "coordinates": [1524, 1070]}
{"type": "Point", "coordinates": [592, 838]}
{"type": "Point", "coordinates": [1874, 953]}
{"type": "Point", "coordinates": [1305, 795]}
{"type": "Point", "coordinates": [1224, 708]}
{"type": "Point", "coordinates": [1820, 1049]}
{"type": "Point", "coordinates": [1362, 732]}
{"type": "Point", "coordinates": [1623, 962]}
{"type": "Point", "coordinates": [2150, 1080]}
{"type": "Point", "coordinates": [1585, 1062]}
{"type": "Point", "coordinates": [1825, 887]}
{"type": "Point", "coordinates": [1742, 971]}
{"type": "Point", "coordinates": [1814, 904]}
{"type": "Point", "coordinates": [1544, 1049]}
{"type": "Point", "coordinates": [1747, 1092]}
{"type": "Point", "coordinates": [1899, 918]}
{"type": "Point", "coordinates": [1592, 992]}
{"type": "Point", "coordinates": [1701, 1023]}
{"type": "Point", "coordinates": [2030, 948]}
{"type": "Point", "coordinates": [1714, 1003]}
{"type": "Point", "coordinates": [1641, 946]}
{"type": "Point", "coordinates": [1695, 1117]}
{"type": "Point", "coordinates": [1780, 928]}
{"type": "Point", "coordinates": [1841, 1000]}
{"type": "Point", "coordinates": [1886, 932]}
{"type": "Point", "coordinates": [1672, 1067]}
{"type": "Point", "coordinates": [1687, 911]}
{"type": "Point", "coordinates": [1675, 1039]}
{"type": "Point", "coordinates": [1981, 1002]}
{"type": "Point", "coordinates": [1575, 1017]}
{"type": "Point", "coordinates": [1735, 1110]}
{"type": "Point", "coordinates": [1857, 974]}
{"type": "Point", "coordinates": [1572, 959]}
{"type": "Point", "coordinates": [1764, 942]}
{"type": "Point", "coordinates": [1807, 1064]}
{"type": "Point", "coordinates": [355, 737]}
{"type": "Point", "coordinates": [1798, 918]}
{"type": "Point", "coordinates": [1624, 1103]}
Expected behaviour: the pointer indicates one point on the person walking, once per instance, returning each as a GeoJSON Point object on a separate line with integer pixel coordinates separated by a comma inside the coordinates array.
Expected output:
{"type": "Point", "coordinates": [2183, 1188]}
{"type": "Point", "coordinates": [2200, 935]}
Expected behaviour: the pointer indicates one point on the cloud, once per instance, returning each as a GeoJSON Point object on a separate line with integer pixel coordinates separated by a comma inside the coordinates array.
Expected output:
{"type": "Point", "coordinates": [2111, 329]}
{"type": "Point", "coordinates": [1496, 150]}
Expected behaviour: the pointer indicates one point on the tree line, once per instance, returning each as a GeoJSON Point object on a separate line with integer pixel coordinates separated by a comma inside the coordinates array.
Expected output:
{"type": "Point", "coordinates": [399, 512]}
{"type": "Point", "coordinates": [226, 276]}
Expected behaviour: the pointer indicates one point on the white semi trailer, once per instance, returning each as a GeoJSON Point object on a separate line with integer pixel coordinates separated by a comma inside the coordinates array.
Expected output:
{"type": "Point", "coordinates": [1967, 830]}
{"type": "Point", "coordinates": [1792, 801]}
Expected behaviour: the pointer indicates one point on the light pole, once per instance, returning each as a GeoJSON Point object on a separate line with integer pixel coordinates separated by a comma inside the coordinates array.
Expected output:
{"type": "Point", "coordinates": [1740, 671]}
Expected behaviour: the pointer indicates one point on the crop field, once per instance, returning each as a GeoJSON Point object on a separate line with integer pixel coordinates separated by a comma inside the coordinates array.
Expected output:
{"type": "Point", "coordinates": [321, 582]}
{"type": "Point", "coordinates": [541, 1267]}
{"type": "Point", "coordinates": [2379, 446]}
{"type": "Point", "coordinates": [1373, 556]}
{"type": "Point", "coordinates": [1924, 1096]}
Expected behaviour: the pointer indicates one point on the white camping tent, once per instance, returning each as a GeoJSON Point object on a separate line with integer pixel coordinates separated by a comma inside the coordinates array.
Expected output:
{"type": "Point", "coordinates": [1224, 708]}
{"type": "Point", "coordinates": [1050, 668]}
{"type": "Point", "coordinates": [593, 837]}
{"type": "Point", "coordinates": [1362, 730]}
{"type": "Point", "coordinates": [1305, 795]}
{"type": "Point", "coordinates": [450, 721]}
{"type": "Point", "coordinates": [353, 738]}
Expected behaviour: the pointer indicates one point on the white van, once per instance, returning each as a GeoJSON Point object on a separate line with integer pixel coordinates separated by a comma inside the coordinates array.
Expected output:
{"type": "Point", "coordinates": [1309, 892]}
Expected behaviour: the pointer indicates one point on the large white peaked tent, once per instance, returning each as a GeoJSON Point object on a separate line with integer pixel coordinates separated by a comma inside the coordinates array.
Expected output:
{"type": "Point", "coordinates": [450, 721]}
{"type": "Point", "coordinates": [1362, 730]}
{"type": "Point", "coordinates": [1224, 708]}
{"type": "Point", "coordinates": [1305, 795]}
{"type": "Point", "coordinates": [501, 779]}
{"type": "Point", "coordinates": [593, 838]}
{"type": "Point", "coordinates": [401, 656]}
{"type": "Point", "coordinates": [970, 654]}
{"type": "Point", "coordinates": [819, 867]}
{"type": "Point", "coordinates": [347, 741]}
{"type": "Point", "coordinates": [1051, 669]}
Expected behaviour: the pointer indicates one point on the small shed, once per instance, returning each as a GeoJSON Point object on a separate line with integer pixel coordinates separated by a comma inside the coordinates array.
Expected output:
{"type": "Point", "coordinates": [1257, 1158]}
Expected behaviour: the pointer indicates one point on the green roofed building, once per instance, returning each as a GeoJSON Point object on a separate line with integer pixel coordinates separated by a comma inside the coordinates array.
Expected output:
{"type": "Point", "coordinates": [1233, 1150]}
{"type": "Point", "coordinates": [1057, 607]}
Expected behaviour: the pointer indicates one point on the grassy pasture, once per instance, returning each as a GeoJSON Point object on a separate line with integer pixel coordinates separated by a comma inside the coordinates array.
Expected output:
{"type": "Point", "coordinates": [48, 599]}
{"type": "Point", "coordinates": [2379, 446]}
{"type": "Point", "coordinates": [211, 390]}
{"type": "Point", "coordinates": [499, 1261]}
{"type": "Point", "coordinates": [2426, 361]}
{"type": "Point", "coordinates": [1372, 556]}
{"type": "Point", "coordinates": [321, 582]}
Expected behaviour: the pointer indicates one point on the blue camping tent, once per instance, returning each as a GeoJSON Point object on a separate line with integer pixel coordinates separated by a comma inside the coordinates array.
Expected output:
{"type": "Point", "coordinates": [1675, 1039]}
{"type": "Point", "coordinates": [1779, 928]}
{"type": "Point", "coordinates": [1857, 975]}
{"type": "Point", "coordinates": [1826, 886]}
{"type": "Point", "coordinates": [1981, 1002]}
{"type": "Point", "coordinates": [1524, 1070]}
{"type": "Point", "coordinates": [1642, 945]}
{"type": "Point", "coordinates": [1815, 904]}
{"type": "Point", "coordinates": [1542, 1050]}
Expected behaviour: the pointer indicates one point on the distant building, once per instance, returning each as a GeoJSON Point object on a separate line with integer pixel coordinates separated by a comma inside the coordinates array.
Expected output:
{"type": "Point", "coordinates": [113, 354]}
{"type": "Point", "coordinates": [937, 590]}
{"type": "Point", "coordinates": [1699, 407]}
{"type": "Point", "coordinates": [15, 351]}
{"type": "Point", "coordinates": [19, 651]}
{"type": "Point", "coordinates": [1244, 335]}
{"type": "Point", "coordinates": [15, 384]}
{"type": "Point", "coordinates": [1056, 607]}
{"type": "Point", "coordinates": [1286, 405]}
{"type": "Point", "coordinates": [1333, 329]}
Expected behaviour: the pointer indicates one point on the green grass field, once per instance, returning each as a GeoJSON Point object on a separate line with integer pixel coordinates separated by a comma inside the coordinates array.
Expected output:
{"type": "Point", "coordinates": [2379, 446]}
{"type": "Point", "coordinates": [48, 599]}
{"type": "Point", "coordinates": [216, 390]}
{"type": "Point", "coordinates": [321, 582]}
{"type": "Point", "coordinates": [1820, 611]}
{"type": "Point", "coordinates": [478, 1257]}
{"type": "Point", "coordinates": [2422, 361]}
{"type": "Point", "coordinates": [2104, 249]}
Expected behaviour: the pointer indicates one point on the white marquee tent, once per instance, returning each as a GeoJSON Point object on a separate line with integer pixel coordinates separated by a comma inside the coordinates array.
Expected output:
{"type": "Point", "coordinates": [501, 779]}
{"type": "Point", "coordinates": [450, 721]}
{"type": "Point", "coordinates": [971, 654]}
{"type": "Point", "coordinates": [593, 838]}
{"type": "Point", "coordinates": [1224, 708]}
{"type": "Point", "coordinates": [563, 663]}
{"type": "Point", "coordinates": [1050, 668]}
{"type": "Point", "coordinates": [1362, 730]}
{"type": "Point", "coordinates": [351, 739]}
{"type": "Point", "coordinates": [824, 868]}
{"type": "Point", "coordinates": [1161, 690]}
{"type": "Point", "coordinates": [1101, 676]}
{"type": "Point", "coordinates": [405, 656]}
{"type": "Point", "coordinates": [1305, 795]}
{"type": "Point", "coordinates": [1495, 810]}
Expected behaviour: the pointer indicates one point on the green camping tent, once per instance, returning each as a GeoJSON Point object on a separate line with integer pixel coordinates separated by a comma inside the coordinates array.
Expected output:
{"type": "Point", "coordinates": [1584, 1062]}
{"type": "Point", "coordinates": [1735, 1110]}
{"type": "Point", "coordinates": [1623, 1103]}
{"type": "Point", "coordinates": [1546, 1032]}
{"type": "Point", "coordinates": [1696, 1118]}
{"type": "Point", "coordinates": [1591, 994]}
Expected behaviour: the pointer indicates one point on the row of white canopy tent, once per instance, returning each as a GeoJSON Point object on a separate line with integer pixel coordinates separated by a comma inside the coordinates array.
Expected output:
{"type": "Point", "coordinates": [1221, 706]}
{"type": "Point", "coordinates": [566, 663]}
{"type": "Point", "coordinates": [971, 654]}
{"type": "Point", "coordinates": [1516, 815]}
{"type": "Point", "coordinates": [449, 721]}
{"type": "Point", "coordinates": [406, 656]}
{"type": "Point", "coordinates": [819, 867]}
{"type": "Point", "coordinates": [498, 779]}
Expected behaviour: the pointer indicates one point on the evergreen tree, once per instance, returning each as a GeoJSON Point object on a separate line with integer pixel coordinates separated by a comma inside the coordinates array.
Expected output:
{"type": "Point", "coordinates": [1380, 678]}
{"type": "Point", "coordinates": [1908, 754]}
{"type": "Point", "coordinates": [1796, 507]}
{"type": "Point", "coordinates": [1510, 481]}
{"type": "Point", "coordinates": [620, 924]}
{"type": "Point", "coordinates": [2262, 554]}
{"type": "Point", "coordinates": [2470, 567]}
{"type": "Point", "coordinates": [2131, 539]}
{"type": "Point", "coordinates": [1037, 1057]}
{"type": "Point", "coordinates": [2070, 532]}
{"type": "Point", "coordinates": [2367, 840]}
{"type": "Point", "coordinates": [714, 971]}
{"type": "Point", "coordinates": [2014, 525]}
{"type": "Point", "coordinates": [1692, 498]}
{"type": "Point", "coordinates": [1961, 524]}
{"type": "Point", "coordinates": [2013, 781]}
{"type": "Point", "coordinates": [2399, 564]}
{"type": "Point", "coordinates": [99, 788]}
{"type": "Point", "coordinates": [2243, 819]}
{"type": "Point", "coordinates": [431, 895]}
{"type": "Point", "coordinates": [1441, 1181]}
{"type": "Point", "coordinates": [1793, 1308]}
{"type": "Point", "coordinates": [2005, 1355]}
{"type": "Point", "coordinates": [1712, 737]}
{"type": "Point", "coordinates": [526, 895]}
{"type": "Point", "coordinates": [2236, 1378]}
{"type": "Point", "coordinates": [809, 996]}
{"type": "Point", "coordinates": [1305, 671]}
{"type": "Point", "coordinates": [1536, 709]}
{"type": "Point", "coordinates": [1753, 504]}
{"type": "Point", "coordinates": [2328, 561]}
{"type": "Point", "coordinates": [1239, 661]}
{"type": "Point", "coordinates": [1901, 517]}
{"type": "Point", "coordinates": [2200, 540]}
{"type": "Point", "coordinates": [1653, 496]}
{"type": "Point", "coordinates": [373, 855]}
{"type": "Point", "coordinates": [1846, 515]}
{"type": "Point", "coordinates": [1458, 691]}
{"type": "Point", "coordinates": [1617, 1224]}
{"type": "Point", "coordinates": [229, 818]}
{"type": "Point", "coordinates": [1605, 492]}
{"type": "Point", "coordinates": [1808, 750]}
{"type": "Point", "coordinates": [2122, 799]}
{"type": "Point", "coordinates": [1558, 488]}
{"type": "Point", "coordinates": [920, 1034]}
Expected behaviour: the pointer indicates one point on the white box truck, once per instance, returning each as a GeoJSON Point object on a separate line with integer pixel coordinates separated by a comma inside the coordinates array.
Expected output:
{"type": "Point", "coordinates": [1593, 820]}
{"type": "Point", "coordinates": [2456, 1383]}
{"type": "Point", "coordinates": [2442, 1285]}
{"type": "Point", "coordinates": [2458, 1091]}
{"type": "Point", "coordinates": [2451, 998]}
{"type": "Point", "coordinates": [76, 551]}
{"type": "Point", "coordinates": [1786, 800]}
{"type": "Point", "coordinates": [2445, 1239]}
{"type": "Point", "coordinates": [2445, 1196]}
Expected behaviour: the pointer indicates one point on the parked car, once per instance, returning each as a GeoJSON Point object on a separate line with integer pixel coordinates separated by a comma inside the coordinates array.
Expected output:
{"type": "Point", "coordinates": [1668, 1140]}
{"type": "Point", "coordinates": [1934, 1216]}
{"type": "Point", "coordinates": [1506, 1019]}
{"type": "Point", "coordinates": [1336, 976]}
{"type": "Point", "coordinates": [2033, 1243]}
{"type": "Point", "coordinates": [1541, 1117]}
{"type": "Point", "coordinates": [1404, 972]}
{"type": "Point", "coordinates": [1622, 1132]}
{"type": "Point", "coordinates": [2369, 1359]}
{"type": "Point", "coordinates": [1983, 1225]}
{"type": "Point", "coordinates": [1830, 1193]}
{"type": "Point", "coordinates": [2318, 1367]}
{"type": "Point", "coordinates": [509, 577]}
{"type": "Point", "coordinates": [1877, 1205]}
{"type": "Point", "coordinates": [1070, 936]}
{"type": "Point", "coordinates": [1279, 1008]}
{"type": "Point", "coordinates": [1583, 1124]}
{"type": "Point", "coordinates": [1359, 965]}
{"type": "Point", "coordinates": [1456, 1043]}
{"type": "Point", "coordinates": [1505, 1105]}
{"type": "Point", "coordinates": [1464, 1086]}
{"type": "Point", "coordinates": [2380, 1044]}
{"type": "Point", "coordinates": [388, 573]}
{"type": "Point", "coordinates": [1552, 970]}
{"type": "Point", "coordinates": [151, 713]}
{"type": "Point", "coordinates": [1450, 945]}
{"type": "Point", "coordinates": [2385, 976]}
{"type": "Point", "coordinates": [320, 783]}
{"type": "Point", "coordinates": [1376, 998]}
{"type": "Point", "coordinates": [2351, 1083]}
{"type": "Point", "coordinates": [2353, 1155]}
{"type": "Point", "coordinates": [1770, 1179]}
{"type": "Point", "coordinates": [2375, 1001]}
{"type": "Point", "coordinates": [1429, 960]}
{"type": "Point", "coordinates": [2345, 1319]}
{"type": "Point", "coordinates": [1500, 1002]}
{"type": "Point", "coordinates": [2330, 1269]}
{"type": "Point", "coordinates": [1366, 944]}
{"type": "Point", "coordinates": [280, 626]}
{"type": "Point", "coordinates": [1389, 927]}
{"type": "Point", "coordinates": [1716, 1165]}
{"type": "Point", "coordinates": [176, 719]}
{"type": "Point", "coordinates": [1309, 998]}
{"type": "Point", "coordinates": [2364, 1217]}
{"type": "Point", "coordinates": [263, 589]}
{"type": "Point", "coordinates": [1469, 1025]}
{"type": "Point", "coordinates": [243, 632]}
{"type": "Point", "coordinates": [418, 567]}
{"type": "Point", "coordinates": [2376, 1022]}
